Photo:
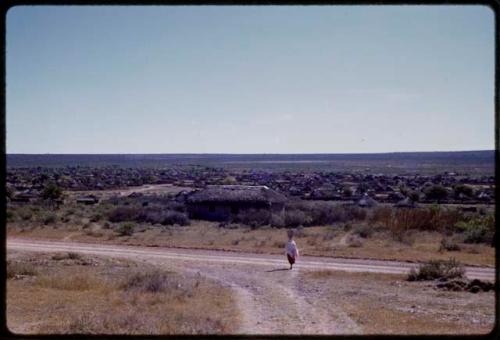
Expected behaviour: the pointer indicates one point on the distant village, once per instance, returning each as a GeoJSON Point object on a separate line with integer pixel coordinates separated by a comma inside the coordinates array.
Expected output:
{"type": "Point", "coordinates": [26, 184]}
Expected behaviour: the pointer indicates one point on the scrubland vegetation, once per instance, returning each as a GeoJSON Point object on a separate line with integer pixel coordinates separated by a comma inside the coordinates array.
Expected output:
{"type": "Point", "coordinates": [322, 228]}
{"type": "Point", "coordinates": [66, 293]}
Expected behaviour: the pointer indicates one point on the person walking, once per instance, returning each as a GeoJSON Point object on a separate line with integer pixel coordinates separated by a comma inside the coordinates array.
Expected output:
{"type": "Point", "coordinates": [291, 250]}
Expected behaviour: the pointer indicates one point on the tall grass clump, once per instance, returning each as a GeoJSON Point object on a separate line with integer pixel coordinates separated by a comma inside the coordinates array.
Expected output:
{"type": "Point", "coordinates": [403, 220]}
{"type": "Point", "coordinates": [153, 281]}
{"type": "Point", "coordinates": [20, 268]}
{"type": "Point", "coordinates": [437, 269]}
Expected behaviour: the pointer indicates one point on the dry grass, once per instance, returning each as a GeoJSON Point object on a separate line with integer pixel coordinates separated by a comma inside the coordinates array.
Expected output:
{"type": "Point", "coordinates": [387, 304]}
{"type": "Point", "coordinates": [15, 268]}
{"type": "Point", "coordinates": [319, 241]}
{"type": "Point", "coordinates": [117, 297]}
{"type": "Point", "coordinates": [62, 281]}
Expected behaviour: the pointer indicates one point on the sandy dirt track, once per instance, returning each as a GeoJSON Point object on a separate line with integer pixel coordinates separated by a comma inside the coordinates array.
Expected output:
{"type": "Point", "coordinates": [269, 300]}
{"type": "Point", "coordinates": [214, 256]}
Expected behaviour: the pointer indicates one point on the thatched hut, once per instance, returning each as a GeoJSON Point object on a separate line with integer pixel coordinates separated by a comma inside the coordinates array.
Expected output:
{"type": "Point", "coordinates": [223, 202]}
{"type": "Point", "coordinates": [406, 203]}
{"type": "Point", "coordinates": [367, 202]}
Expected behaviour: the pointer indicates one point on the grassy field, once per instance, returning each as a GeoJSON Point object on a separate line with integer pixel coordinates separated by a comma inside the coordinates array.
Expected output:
{"type": "Point", "coordinates": [63, 293]}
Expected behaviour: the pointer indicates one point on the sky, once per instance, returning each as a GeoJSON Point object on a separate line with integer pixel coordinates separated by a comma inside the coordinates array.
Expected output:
{"type": "Point", "coordinates": [249, 79]}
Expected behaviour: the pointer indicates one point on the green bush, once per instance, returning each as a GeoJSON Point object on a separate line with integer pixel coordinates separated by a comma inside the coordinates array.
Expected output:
{"type": "Point", "coordinates": [477, 230]}
{"type": "Point", "coordinates": [437, 269]}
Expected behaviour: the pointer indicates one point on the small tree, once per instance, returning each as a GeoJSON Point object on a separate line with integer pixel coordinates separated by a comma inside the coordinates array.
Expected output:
{"type": "Point", "coordinates": [463, 189]}
{"type": "Point", "coordinates": [362, 187]}
{"type": "Point", "coordinates": [51, 193]}
{"type": "Point", "coordinates": [347, 191]}
{"type": "Point", "coordinates": [229, 180]}
{"type": "Point", "coordinates": [9, 191]}
{"type": "Point", "coordinates": [436, 192]}
{"type": "Point", "coordinates": [414, 195]}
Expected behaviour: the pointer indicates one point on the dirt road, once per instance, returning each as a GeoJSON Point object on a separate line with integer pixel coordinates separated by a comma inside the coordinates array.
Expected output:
{"type": "Point", "coordinates": [270, 301]}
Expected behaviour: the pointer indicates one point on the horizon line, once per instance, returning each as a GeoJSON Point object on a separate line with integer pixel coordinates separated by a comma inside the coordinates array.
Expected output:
{"type": "Point", "coordinates": [229, 153]}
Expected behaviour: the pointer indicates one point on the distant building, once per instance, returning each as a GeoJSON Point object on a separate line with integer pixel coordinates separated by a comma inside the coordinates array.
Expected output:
{"type": "Point", "coordinates": [25, 196]}
{"type": "Point", "coordinates": [367, 202]}
{"type": "Point", "coordinates": [222, 202]}
{"type": "Point", "coordinates": [406, 203]}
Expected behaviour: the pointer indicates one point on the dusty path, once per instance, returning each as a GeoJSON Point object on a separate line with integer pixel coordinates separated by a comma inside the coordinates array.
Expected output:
{"type": "Point", "coordinates": [271, 301]}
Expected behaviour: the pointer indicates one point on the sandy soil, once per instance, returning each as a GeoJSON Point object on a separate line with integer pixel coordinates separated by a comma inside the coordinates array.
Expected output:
{"type": "Point", "coordinates": [275, 300]}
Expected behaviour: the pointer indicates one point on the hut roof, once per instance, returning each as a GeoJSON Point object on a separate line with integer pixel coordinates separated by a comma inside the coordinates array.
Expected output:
{"type": "Point", "coordinates": [367, 201]}
{"type": "Point", "coordinates": [407, 202]}
{"type": "Point", "coordinates": [236, 193]}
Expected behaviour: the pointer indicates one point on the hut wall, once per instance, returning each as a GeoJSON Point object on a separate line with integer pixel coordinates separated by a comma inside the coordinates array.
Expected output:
{"type": "Point", "coordinates": [224, 211]}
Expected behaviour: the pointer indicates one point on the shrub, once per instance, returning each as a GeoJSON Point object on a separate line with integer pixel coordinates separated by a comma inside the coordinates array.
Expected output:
{"type": "Point", "coordinates": [414, 195]}
{"type": "Point", "coordinates": [122, 214]}
{"type": "Point", "coordinates": [437, 269]}
{"type": "Point", "coordinates": [65, 256]}
{"type": "Point", "coordinates": [126, 229]}
{"type": "Point", "coordinates": [74, 256]}
{"type": "Point", "coordinates": [51, 192]}
{"type": "Point", "coordinates": [477, 230]}
{"type": "Point", "coordinates": [309, 213]}
{"type": "Point", "coordinates": [277, 221]}
{"type": "Point", "coordinates": [463, 189]}
{"type": "Point", "coordinates": [449, 245]}
{"type": "Point", "coordinates": [254, 217]}
{"type": "Point", "coordinates": [175, 217]}
{"type": "Point", "coordinates": [354, 213]}
{"type": "Point", "coordinates": [65, 219]}
{"type": "Point", "coordinates": [478, 234]}
{"type": "Point", "coordinates": [294, 218]}
{"type": "Point", "coordinates": [10, 215]}
{"type": "Point", "coordinates": [436, 193]}
{"type": "Point", "coordinates": [49, 219]}
{"type": "Point", "coordinates": [153, 281]}
{"type": "Point", "coordinates": [95, 217]}
{"type": "Point", "coordinates": [363, 230]}
{"type": "Point", "coordinates": [354, 242]}
{"type": "Point", "coordinates": [25, 213]}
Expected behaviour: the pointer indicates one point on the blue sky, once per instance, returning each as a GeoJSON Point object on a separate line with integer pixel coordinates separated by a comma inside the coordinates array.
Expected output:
{"type": "Point", "coordinates": [249, 79]}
